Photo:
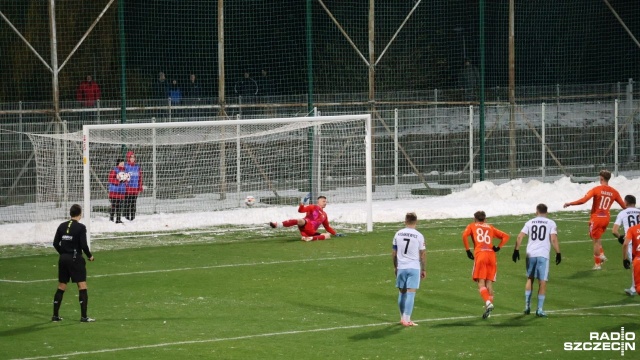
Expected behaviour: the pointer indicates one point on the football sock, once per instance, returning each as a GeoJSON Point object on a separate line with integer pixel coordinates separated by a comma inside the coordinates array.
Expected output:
{"type": "Point", "coordinates": [84, 299]}
{"type": "Point", "coordinates": [527, 298]}
{"type": "Point", "coordinates": [485, 294]}
{"type": "Point", "coordinates": [57, 301]}
{"type": "Point", "coordinates": [408, 305]}
{"type": "Point", "coordinates": [540, 301]}
{"type": "Point", "coordinates": [319, 237]}
{"type": "Point", "coordinates": [596, 259]}
{"type": "Point", "coordinates": [402, 298]}
{"type": "Point", "coordinates": [289, 223]}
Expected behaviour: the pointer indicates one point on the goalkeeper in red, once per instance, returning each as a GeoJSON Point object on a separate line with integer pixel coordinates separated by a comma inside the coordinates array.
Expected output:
{"type": "Point", "coordinates": [308, 226]}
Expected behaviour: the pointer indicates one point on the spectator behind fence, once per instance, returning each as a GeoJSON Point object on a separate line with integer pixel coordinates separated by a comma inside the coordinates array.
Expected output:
{"type": "Point", "coordinates": [88, 92]}
{"type": "Point", "coordinates": [175, 94]}
{"type": "Point", "coordinates": [469, 81]}
{"type": "Point", "coordinates": [246, 87]}
{"type": "Point", "coordinates": [266, 86]}
{"type": "Point", "coordinates": [161, 87]}
{"type": "Point", "coordinates": [193, 88]}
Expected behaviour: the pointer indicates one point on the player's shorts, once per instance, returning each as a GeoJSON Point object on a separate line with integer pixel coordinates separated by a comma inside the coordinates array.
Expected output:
{"type": "Point", "coordinates": [485, 266]}
{"type": "Point", "coordinates": [308, 230]}
{"type": "Point", "coordinates": [597, 227]}
{"type": "Point", "coordinates": [408, 279]}
{"type": "Point", "coordinates": [538, 268]}
{"type": "Point", "coordinates": [70, 268]}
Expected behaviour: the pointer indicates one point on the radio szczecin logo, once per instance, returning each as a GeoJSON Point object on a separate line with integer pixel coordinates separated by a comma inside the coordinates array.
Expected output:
{"type": "Point", "coordinates": [605, 341]}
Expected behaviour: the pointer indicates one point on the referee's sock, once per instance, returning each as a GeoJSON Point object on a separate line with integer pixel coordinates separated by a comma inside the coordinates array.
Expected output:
{"type": "Point", "coordinates": [84, 300]}
{"type": "Point", "coordinates": [57, 301]}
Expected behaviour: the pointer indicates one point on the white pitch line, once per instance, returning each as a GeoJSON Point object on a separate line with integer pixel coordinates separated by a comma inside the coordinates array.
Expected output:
{"type": "Point", "coordinates": [295, 332]}
{"type": "Point", "coordinates": [208, 267]}
{"type": "Point", "coordinates": [239, 265]}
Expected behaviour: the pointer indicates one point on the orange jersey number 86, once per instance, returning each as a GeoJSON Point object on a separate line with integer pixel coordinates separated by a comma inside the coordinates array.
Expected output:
{"type": "Point", "coordinates": [483, 236]}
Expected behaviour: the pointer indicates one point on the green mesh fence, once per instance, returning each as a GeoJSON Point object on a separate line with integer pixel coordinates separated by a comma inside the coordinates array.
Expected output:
{"type": "Point", "coordinates": [412, 46]}
{"type": "Point", "coordinates": [265, 58]}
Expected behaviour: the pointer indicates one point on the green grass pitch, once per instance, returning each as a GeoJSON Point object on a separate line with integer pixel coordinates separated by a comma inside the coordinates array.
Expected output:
{"type": "Point", "coordinates": [257, 293]}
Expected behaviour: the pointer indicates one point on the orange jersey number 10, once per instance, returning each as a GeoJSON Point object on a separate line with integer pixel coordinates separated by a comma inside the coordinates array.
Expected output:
{"type": "Point", "coordinates": [605, 203]}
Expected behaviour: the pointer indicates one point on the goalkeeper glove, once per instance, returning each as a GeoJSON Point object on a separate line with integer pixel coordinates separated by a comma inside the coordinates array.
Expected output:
{"type": "Point", "coordinates": [621, 239]}
{"type": "Point", "coordinates": [306, 199]}
{"type": "Point", "coordinates": [469, 254]}
{"type": "Point", "coordinates": [495, 248]}
{"type": "Point", "coordinates": [516, 255]}
{"type": "Point", "coordinates": [558, 258]}
{"type": "Point", "coordinates": [340, 235]}
{"type": "Point", "coordinates": [626, 263]}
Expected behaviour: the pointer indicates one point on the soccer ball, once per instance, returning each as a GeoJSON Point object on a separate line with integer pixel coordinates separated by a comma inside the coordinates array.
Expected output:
{"type": "Point", "coordinates": [249, 201]}
{"type": "Point", "coordinates": [123, 176]}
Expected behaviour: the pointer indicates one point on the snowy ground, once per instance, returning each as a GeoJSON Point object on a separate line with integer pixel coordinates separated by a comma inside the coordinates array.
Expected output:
{"type": "Point", "coordinates": [509, 198]}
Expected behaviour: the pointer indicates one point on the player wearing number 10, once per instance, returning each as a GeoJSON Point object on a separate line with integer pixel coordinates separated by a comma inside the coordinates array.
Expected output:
{"type": "Point", "coordinates": [485, 266]}
{"type": "Point", "coordinates": [603, 197]}
{"type": "Point", "coordinates": [542, 233]}
{"type": "Point", "coordinates": [409, 261]}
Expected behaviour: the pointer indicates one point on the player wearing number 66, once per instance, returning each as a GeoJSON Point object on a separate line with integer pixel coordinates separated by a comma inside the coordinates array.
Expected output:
{"type": "Point", "coordinates": [542, 233]}
{"type": "Point", "coordinates": [485, 266]}
{"type": "Point", "coordinates": [409, 262]}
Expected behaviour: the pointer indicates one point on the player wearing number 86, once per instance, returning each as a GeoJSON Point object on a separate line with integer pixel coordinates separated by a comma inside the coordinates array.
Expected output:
{"type": "Point", "coordinates": [485, 266]}
{"type": "Point", "coordinates": [603, 197]}
{"type": "Point", "coordinates": [542, 233]}
{"type": "Point", "coordinates": [409, 262]}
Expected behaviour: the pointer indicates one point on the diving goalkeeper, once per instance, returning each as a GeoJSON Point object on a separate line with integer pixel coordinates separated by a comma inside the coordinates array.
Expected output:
{"type": "Point", "coordinates": [308, 226]}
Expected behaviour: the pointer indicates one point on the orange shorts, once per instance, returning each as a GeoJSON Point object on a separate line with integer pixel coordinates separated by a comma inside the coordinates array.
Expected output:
{"type": "Point", "coordinates": [597, 227]}
{"type": "Point", "coordinates": [485, 266]}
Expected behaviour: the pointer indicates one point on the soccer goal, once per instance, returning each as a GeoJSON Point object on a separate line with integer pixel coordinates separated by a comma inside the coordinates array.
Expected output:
{"type": "Point", "coordinates": [196, 168]}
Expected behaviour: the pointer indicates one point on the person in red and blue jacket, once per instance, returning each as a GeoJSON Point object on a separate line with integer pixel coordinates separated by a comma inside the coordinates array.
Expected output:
{"type": "Point", "coordinates": [133, 186]}
{"type": "Point", "coordinates": [117, 189]}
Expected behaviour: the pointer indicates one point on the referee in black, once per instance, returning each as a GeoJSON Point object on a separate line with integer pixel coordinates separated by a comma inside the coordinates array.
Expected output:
{"type": "Point", "coordinates": [70, 241]}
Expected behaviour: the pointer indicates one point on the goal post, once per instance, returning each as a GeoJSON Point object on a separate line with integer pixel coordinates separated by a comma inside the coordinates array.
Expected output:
{"type": "Point", "coordinates": [201, 166]}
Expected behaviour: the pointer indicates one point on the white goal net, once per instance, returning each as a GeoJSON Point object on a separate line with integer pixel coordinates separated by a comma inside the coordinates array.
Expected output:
{"type": "Point", "coordinates": [199, 167]}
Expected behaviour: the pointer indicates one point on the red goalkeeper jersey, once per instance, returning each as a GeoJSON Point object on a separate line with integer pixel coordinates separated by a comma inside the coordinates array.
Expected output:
{"type": "Point", "coordinates": [316, 217]}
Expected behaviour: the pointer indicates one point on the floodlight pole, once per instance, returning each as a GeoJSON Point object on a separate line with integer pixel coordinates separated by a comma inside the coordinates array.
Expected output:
{"type": "Point", "coordinates": [512, 92]}
{"type": "Point", "coordinates": [53, 39]}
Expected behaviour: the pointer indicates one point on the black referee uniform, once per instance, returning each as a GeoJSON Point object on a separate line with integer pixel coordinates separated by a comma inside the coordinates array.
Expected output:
{"type": "Point", "coordinates": [70, 242]}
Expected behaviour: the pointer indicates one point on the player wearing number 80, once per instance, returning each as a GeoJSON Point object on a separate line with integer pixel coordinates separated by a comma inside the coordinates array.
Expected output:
{"type": "Point", "coordinates": [485, 266]}
{"type": "Point", "coordinates": [542, 233]}
{"type": "Point", "coordinates": [603, 197]}
{"type": "Point", "coordinates": [409, 262]}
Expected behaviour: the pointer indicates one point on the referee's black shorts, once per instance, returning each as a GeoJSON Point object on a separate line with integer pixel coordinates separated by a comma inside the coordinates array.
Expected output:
{"type": "Point", "coordinates": [70, 268]}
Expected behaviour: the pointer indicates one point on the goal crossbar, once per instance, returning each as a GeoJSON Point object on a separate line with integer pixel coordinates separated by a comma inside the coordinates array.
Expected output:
{"type": "Point", "coordinates": [281, 125]}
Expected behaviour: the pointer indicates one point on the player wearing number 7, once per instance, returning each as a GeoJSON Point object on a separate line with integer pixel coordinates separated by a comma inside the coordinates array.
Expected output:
{"type": "Point", "coordinates": [485, 266]}
{"type": "Point", "coordinates": [603, 197]}
{"type": "Point", "coordinates": [409, 261]}
{"type": "Point", "coordinates": [542, 233]}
